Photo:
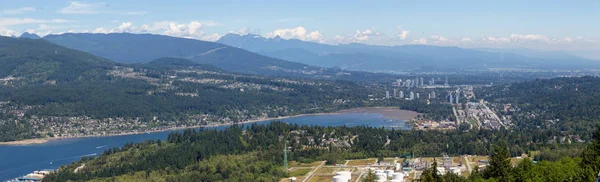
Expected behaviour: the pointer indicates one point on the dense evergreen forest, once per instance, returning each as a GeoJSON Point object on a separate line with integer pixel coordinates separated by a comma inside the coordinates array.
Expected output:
{"type": "Point", "coordinates": [560, 105]}
{"type": "Point", "coordinates": [197, 153]}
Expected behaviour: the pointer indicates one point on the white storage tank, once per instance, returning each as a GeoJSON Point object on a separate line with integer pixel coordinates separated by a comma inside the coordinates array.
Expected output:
{"type": "Point", "coordinates": [389, 172]}
{"type": "Point", "coordinates": [340, 179]}
{"type": "Point", "coordinates": [395, 180]}
{"type": "Point", "coordinates": [346, 174]}
{"type": "Point", "coordinates": [398, 166]}
{"type": "Point", "coordinates": [398, 176]}
{"type": "Point", "coordinates": [381, 176]}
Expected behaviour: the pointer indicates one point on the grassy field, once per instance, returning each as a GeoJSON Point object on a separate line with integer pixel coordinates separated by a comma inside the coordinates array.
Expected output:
{"type": "Point", "coordinates": [298, 164]}
{"type": "Point", "coordinates": [390, 160]}
{"type": "Point", "coordinates": [456, 160]}
{"type": "Point", "coordinates": [300, 172]}
{"type": "Point", "coordinates": [321, 178]}
{"type": "Point", "coordinates": [477, 158]}
{"type": "Point", "coordinates": [430, 159]}
{"type": "Point", "coordinates": [361, 162]}
{"type": "Point", "coordinates": [327, 170]}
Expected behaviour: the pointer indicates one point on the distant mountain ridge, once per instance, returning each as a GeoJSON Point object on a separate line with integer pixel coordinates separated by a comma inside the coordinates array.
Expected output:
{"type": "Point", "coordinates": [141, 48]}
{"type": "Point", "coordinates": [30, 35]}
{"type": "Point", "coordinates": [364, 57]}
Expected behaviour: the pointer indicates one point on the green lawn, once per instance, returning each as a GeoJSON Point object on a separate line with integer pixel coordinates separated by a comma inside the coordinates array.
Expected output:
{"type": "Point", "coordinates": [300, 172]}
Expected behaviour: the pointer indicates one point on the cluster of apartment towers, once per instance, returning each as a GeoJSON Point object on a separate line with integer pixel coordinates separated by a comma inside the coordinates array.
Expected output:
{"type": "Point", "coordinates": [453, 97]}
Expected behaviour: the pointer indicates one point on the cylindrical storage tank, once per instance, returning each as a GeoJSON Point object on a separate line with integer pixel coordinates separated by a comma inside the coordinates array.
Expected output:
{"type": "Point", "coordinates": [340, 179]}
{"type": "Point", "coordinates": [346, 174]}
{"type": "Point", "coordinates": [389, 172]}
{"type": "Point", "coordinates": [398, 176]}
{"type": "Point", "coordinates": [396, 180]}
{"type": "Point", "coordinates": [381, 176]}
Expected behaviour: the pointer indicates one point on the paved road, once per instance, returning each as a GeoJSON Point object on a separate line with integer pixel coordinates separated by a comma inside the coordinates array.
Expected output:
{"type": "Point", "coordinates": [309, 174]}
{"type": "Point", "coordinates": [468, 165]}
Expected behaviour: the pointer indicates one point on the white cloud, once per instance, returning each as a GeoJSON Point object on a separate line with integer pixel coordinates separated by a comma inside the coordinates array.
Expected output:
{"type": "Point", "coordinates": [76, 7]}
{"type": "Point", "coordinates": [420, 41]}
{"type": "Point", "coordinates": [213, 37]}
{"type": "Point", "coordinates": [193, 30]}
{"type": "Point", "coordinates": [339, 38]}
{"type": "Point", "coordinates": [19, 10]}
{"type": "Point", "coordinates": [517, 37]}
{"type": "Point", "coordinates": [438, 38]}
{"type": "Point", "coordinates": [494, 40]}
{"type": "Point", "coordinates": [364, 35]}
{"type": "Point", "coordinates": [297, 33]}
{"type": "Point", "coordinates": [246, 31]}
{"type": "Point", "coordinates": [242, 31]}
{"type": "Point", "coordinates": [7, 32]}
{"type": "Point", "coordinates": [466, 39]}
{"type": "Point", "coordinates": [403, 33]}
{"type": "Point", "coordinates": [100, 30]}
{"type": "Point", "coordinates": [124, 27]}
{"type": "Point", "coordinates": [39, 33]}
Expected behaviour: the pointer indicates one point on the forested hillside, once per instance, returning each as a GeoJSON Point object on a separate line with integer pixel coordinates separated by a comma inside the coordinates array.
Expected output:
{"type": "Point", "coordinates": [59, 89]}
{"type": "Point", "coordinates": [209, 155]}
{"type": "Point", "coordinates": [26, 61]}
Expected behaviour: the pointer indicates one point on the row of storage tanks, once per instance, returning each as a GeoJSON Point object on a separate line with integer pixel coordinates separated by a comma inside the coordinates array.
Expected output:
{"type": "Point", "coordinates": [382, 176]}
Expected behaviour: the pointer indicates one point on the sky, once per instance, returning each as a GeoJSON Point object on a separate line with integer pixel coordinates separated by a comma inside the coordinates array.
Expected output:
{"type": "Point", "coordinates": [548, 25]}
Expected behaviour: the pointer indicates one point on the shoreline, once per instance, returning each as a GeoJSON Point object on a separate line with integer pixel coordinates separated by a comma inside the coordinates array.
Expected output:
{"type": "Point", "coordinates": [385, 111]}
{"type": "Point", "coordinates": [34, 141]}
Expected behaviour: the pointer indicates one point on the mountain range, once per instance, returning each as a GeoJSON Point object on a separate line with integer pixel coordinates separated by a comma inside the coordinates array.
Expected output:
{"type": "Point", "coordinates": [29, 35]}
{"type": "Point", "coordinates": [143, 48]}
{"type": "Point", "coordinates": [254, 54]}
{"type": "Point", "coordinates": [363, 57]}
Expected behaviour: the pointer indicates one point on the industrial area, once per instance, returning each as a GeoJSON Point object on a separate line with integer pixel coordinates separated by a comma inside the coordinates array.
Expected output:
{"type": "Point", "coordinates": [386, 170]}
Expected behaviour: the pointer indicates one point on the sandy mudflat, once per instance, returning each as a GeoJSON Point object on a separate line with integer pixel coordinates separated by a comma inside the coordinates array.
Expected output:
{"type": "Point", "coordinates": [387, 112]}
{"type": "Point", "coordinates": [27, 141]}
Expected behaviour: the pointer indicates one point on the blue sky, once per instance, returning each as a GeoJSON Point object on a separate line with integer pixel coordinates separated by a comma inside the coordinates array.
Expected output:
{"type": "Point", "coordinates": [534, 24]}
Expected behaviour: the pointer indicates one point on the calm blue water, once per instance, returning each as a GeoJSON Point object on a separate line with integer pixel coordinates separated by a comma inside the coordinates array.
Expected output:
{"type": "Point", "coordinates": [17, 161]}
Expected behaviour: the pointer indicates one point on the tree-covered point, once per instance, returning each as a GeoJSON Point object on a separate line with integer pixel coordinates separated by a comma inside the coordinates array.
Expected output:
{"type": "Point", "coordinates": [194, 153]}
